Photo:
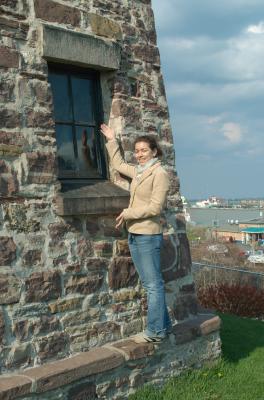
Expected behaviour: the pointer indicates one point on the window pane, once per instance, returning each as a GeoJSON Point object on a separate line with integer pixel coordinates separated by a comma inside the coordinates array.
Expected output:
{"type": "Point", "coordinates": [61, 98]}
{"type": "Point", "coordinates": [83, 100]}
{"type": "Point", "coordinates": [87, 153]}
{"type": "Point", "coordinates": [66, 158]}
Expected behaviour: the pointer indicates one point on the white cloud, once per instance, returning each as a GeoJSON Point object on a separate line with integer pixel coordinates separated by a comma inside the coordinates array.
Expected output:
{"type": "Point", "coordinates": [256, 29]}
{"type": "Point", "coordinates": [232, 132]}
{"type": "Point", "coordinates": [215, 119]}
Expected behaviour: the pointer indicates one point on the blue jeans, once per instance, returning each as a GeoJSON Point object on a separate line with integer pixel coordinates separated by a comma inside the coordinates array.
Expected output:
{"type": "Point", "coordinates": [145, 253]}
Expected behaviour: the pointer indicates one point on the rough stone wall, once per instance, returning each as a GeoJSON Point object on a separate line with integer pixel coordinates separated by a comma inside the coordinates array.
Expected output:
{"type": "Point", "coordinates": [68, 284]}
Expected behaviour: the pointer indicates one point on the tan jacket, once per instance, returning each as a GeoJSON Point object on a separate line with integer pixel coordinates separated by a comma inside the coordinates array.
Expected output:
{"type": "Point", "coordinates": [147, 194]}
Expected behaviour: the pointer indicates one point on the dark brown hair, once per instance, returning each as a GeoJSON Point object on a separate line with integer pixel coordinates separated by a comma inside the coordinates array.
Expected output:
{"type": "Point", "coordinates": [151, 141]}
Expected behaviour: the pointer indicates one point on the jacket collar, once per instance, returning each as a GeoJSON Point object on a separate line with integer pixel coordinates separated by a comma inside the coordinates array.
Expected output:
{"type": "Point", "coordinates": [147, 172]}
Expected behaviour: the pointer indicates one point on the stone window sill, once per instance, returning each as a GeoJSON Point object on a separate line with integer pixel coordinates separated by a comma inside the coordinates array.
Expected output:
{"type": "Point", "coordinates": [91, 198]}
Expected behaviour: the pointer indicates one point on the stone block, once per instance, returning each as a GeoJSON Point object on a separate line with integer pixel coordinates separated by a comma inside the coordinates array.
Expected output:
{"type": "Point", "coordinates": [10, 287]}
{"type": "Point", "coordinates": [17, 219]}
{"type": "Point", "coordinates": [174, 184]}
{"type": "Point", "coordinates": [188, 289]}
{"type": "Point", "coordinates": [132, 327]}
{"type": "Point", "coordinates": [2, 327]}
{"type": "Point", "coordinates": [63, 372]}
{"type": "Point", "coordinates": [185, 261]}
{"type": "Point", "coordinates": [157, 110]}
{"type": "Point", "coordinates": [84, 284]}
{"type": "Point", "coordinates": [8, 58]}
{"type": "Point", "coordinates": [10, 150]}
{"type": "Point", "coordinates": [181, 222]}
{"type": "Point", "coordinates": [168, 254]}
{"type": "Point", "coordinates": [56, 12]}
{"type": "Point", "coordinates": [52, 346]}
{"type": "Point", "coordinates": [3, 168]}
{"type": "Point", "coordinates": [31, 258]}
{"type": "Point", "coordinates": [63, 305]}
{"type": "Point", "coordinates": [14, 386]}
{"type": "Point", "coordinates": [83, 391]}
{"type": "Point", "coordinates": [84, 249]}
{"type": "Point", "coordinates": [9, 118]}
{"type": "Point", "coordinates": [134, 351]}
{"type": "Point", "coordinates": [80, 317]}
{"type": "Point", "coordinates": [86, 336]}
{"type": "Point", "coordinates": [42, 94]}
{"type": "Point", "coordinates": [6, 89]}
{"type": "Point", "coordinates": [10, 3]}
{"type": "Point", "coordinates": [39, 119]}
{"type": "Point", "coordinates": [8, 184]}
{"type": "Point", "coordinates": [102, 26]}
{"type": "Point", "coordinates": [14, 139]}
{"type": "Point", "coordinates": [58, 231]}
{"type": "Point", "coordinates": [103, 248]}
{"type": "Point", "coordinates": [146, 52]}
{"type": "Point", "coordinates": [122, 248]}
{"type": "Point", "coordinates": [98, 265]}
{"type": "Point", "coordinates": [7, 250]}
{"type": "Point", "coordinates": [14, 28]}
{"type": "Point", "coordinates": [42, 286]}
{"type": "Point", "coordinates": [185, 305]}
{"type": "Point", "coordinates": [24, 329]}
{"type": "Point", "coordinates": [127, 295]}
{"type": "Point", "coordinates": [201, 325]}
{"type": "Point", "coordinates": [79, 48]}
{"type": "Point", "coordinates": [122, 273]}
{"type": "Point", "coordinates": [41, 168]}
{"type": "Point", "coordinates": [92, 226]}
{"type": "Point", "coordinates": [210, 325]}
{"type": "Point", "coordinates": [19, 356]}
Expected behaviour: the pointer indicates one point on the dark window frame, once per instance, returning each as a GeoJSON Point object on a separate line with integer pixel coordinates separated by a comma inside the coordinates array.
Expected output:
{"type": "Point", "coordinates": [71, 71]}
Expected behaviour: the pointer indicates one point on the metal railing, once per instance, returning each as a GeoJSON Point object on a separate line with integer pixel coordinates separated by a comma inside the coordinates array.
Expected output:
{"type": "Point", "coordinates": [217, 266]}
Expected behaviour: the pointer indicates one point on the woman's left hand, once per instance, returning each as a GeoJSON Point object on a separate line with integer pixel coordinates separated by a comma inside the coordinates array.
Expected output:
{"type": "Point", "coordinates": [120, 219]}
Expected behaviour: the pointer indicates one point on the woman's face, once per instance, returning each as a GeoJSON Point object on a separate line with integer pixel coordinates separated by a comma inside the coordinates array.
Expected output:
{"type": "Point", "coordinates": [143, 152]}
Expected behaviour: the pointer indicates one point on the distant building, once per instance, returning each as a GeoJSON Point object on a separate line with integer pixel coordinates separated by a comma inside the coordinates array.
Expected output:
{"type": "Point", "coordinates": [245, 232]}
{"type": "Point", "coordinates": [211, 202]}
{"type": "Point", "coordinates": [256, 203]}
{"type": "Point", "coordinates": [252, 230]}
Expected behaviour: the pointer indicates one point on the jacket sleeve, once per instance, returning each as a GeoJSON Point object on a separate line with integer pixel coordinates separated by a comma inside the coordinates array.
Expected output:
{"type": "Point", "coordinates": [117, 160]}
{"type": "Point", "coordinates": [157, 200]}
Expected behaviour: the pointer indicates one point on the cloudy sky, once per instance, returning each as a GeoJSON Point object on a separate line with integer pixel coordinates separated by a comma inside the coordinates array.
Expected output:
{"type": "Point", "coordinates": [212, 55]}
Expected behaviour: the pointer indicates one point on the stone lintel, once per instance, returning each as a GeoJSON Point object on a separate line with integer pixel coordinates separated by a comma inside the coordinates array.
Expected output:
{"type": "Point", "coordinates": [96, 198]}
{"type": "Point", "coordinates": [59, 373]}
{"type": "Point", "coordinates": [71, 47]}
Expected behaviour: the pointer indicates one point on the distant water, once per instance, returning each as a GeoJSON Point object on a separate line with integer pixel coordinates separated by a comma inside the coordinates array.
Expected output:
{"type": "Point", "coordinates": [208, 216]}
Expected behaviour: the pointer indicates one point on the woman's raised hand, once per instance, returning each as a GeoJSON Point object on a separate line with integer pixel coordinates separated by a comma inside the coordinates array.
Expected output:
{"type": "Point", "coordinates": [107, 131]}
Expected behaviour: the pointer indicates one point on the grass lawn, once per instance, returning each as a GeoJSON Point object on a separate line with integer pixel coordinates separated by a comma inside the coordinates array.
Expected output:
{"type": "Point", "coordinates": [238, 376]}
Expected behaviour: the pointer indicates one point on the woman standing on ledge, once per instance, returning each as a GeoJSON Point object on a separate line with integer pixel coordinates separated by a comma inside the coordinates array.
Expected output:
{"type": "Point", "coordinates": [148, 193]}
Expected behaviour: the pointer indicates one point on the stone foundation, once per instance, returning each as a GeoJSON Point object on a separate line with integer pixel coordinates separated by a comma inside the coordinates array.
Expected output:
{"type": "Point", "coordinates": [117, 369]}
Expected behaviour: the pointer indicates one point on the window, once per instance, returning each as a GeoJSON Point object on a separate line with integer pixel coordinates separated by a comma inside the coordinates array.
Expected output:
{"type": "Point", "coordinates": [78, 114]}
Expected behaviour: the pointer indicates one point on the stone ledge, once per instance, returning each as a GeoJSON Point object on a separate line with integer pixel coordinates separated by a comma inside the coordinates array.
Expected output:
{"type": "Point", "coordinates": [97, 198]}
{"type": "Point", "coordinates": [60, 373]}
{"type": "Point", "coordinates": [202, 325]}
{"type": "Point", "coordinates": [132, 350]}
{"type": "Point", "coordinates": [12, 387]}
